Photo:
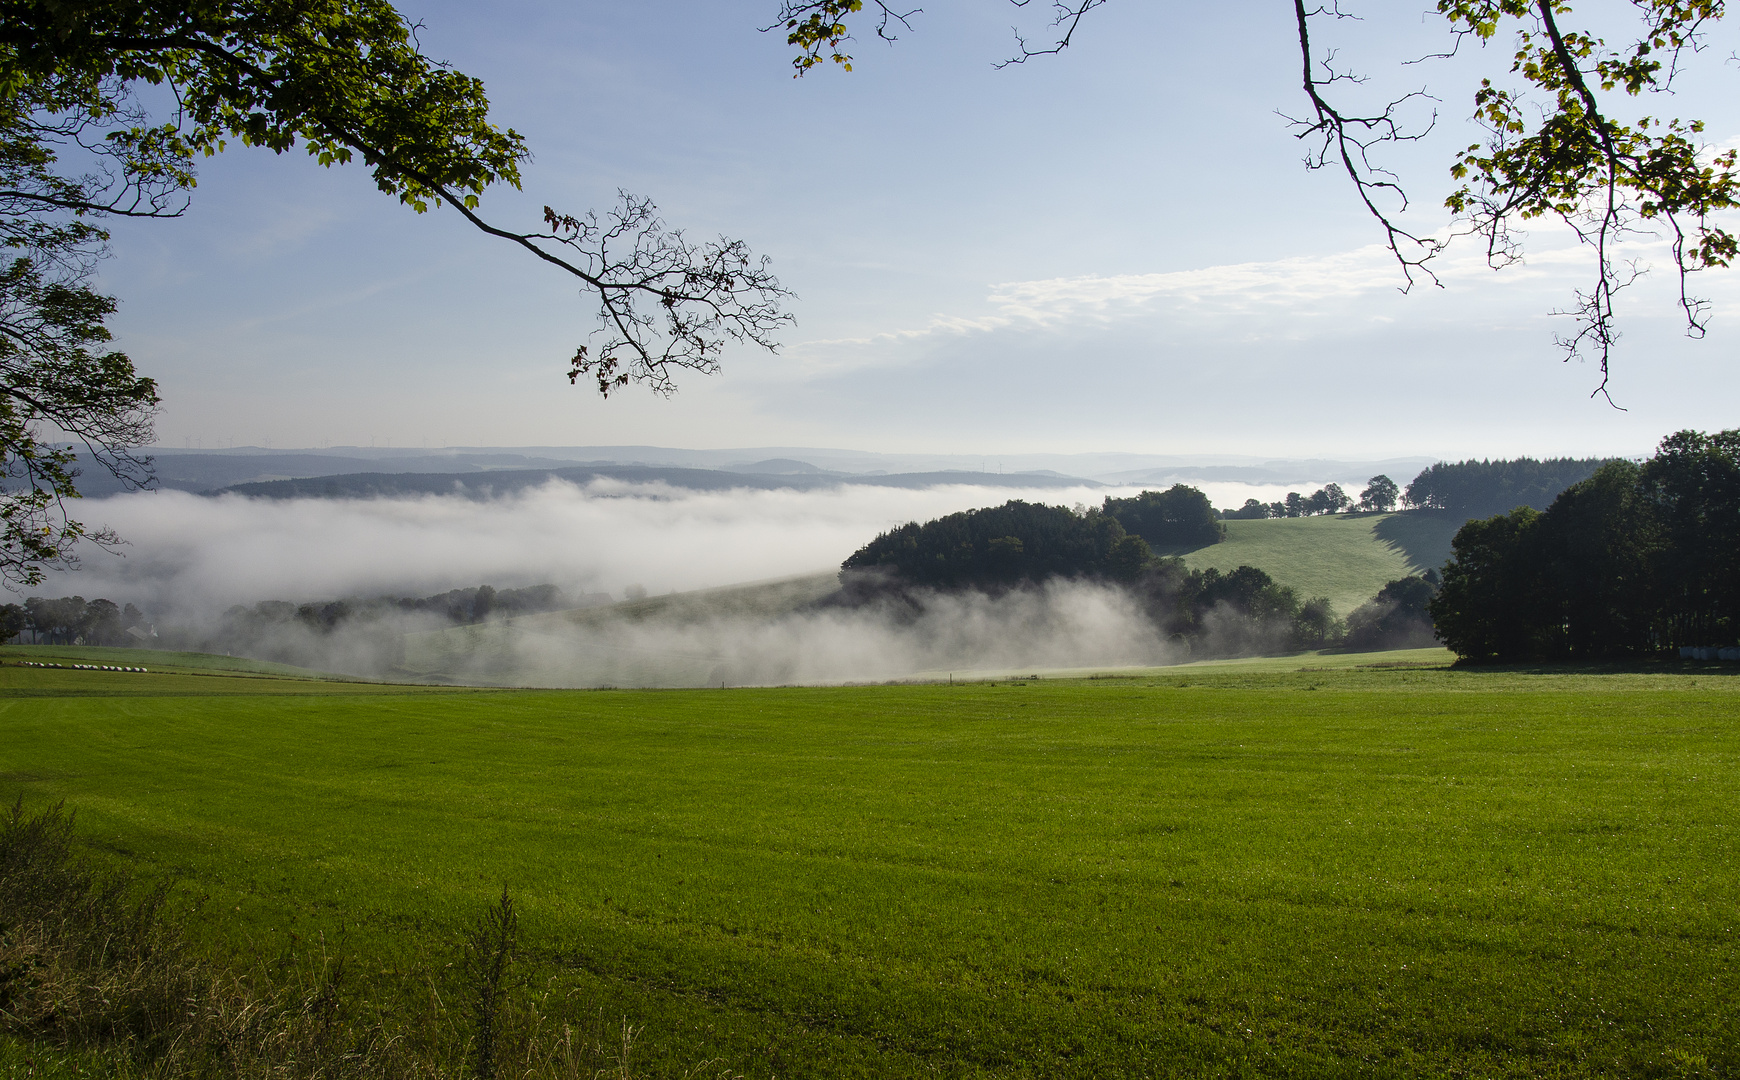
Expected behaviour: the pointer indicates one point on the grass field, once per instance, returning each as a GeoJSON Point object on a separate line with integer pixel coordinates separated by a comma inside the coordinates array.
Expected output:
{"type": "Point", "coordinates": [1281, 868]}
{"type": "Point", "coordinates": [1346, 558]}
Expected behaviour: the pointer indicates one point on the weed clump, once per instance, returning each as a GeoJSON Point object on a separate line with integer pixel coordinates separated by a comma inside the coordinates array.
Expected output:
{"type": "Point", "coordinates": [95, 967]}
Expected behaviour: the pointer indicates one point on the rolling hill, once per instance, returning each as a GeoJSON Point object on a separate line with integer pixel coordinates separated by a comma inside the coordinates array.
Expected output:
{"type": "Point", "coordinates": [676, 639]}
{"type": "Point", "coordinates": [1347, 558]}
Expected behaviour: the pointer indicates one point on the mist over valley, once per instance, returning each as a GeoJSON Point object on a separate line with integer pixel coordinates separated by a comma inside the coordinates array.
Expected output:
{"type": "Point", "coordinates": [274, 558]}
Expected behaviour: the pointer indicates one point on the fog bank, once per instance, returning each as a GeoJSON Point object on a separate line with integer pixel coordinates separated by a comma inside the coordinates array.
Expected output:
{"type": "Point", "coordinates": [189, 559]}
{"type": "Point", "coordinates": [191, 556]}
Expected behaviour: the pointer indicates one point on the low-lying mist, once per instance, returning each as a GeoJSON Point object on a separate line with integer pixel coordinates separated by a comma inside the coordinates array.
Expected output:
{"type": "Point", "coordinates": [1057, 625]}
{"type": "Point", "coordinates": [190, 559]}
{"type": "Point", "coordinates": [189, 556]}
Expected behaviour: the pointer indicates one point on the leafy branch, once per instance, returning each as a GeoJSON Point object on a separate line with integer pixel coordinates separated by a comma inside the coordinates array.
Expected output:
{"type": "Point", "coordinates": [818, 27]}
{"type": "Point", "coordinates": [1564, 157]}
{"type": "Point", "coordinates": [1605, 180]}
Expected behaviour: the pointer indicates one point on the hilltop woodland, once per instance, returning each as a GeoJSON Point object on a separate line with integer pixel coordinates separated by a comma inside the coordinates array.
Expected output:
{"type": "Point", "coordinates": [1638, 558]}
{"type": "Point", "coordinates": [1179, 517]}
{"type": "Point", "coordinates": [1020, 544]}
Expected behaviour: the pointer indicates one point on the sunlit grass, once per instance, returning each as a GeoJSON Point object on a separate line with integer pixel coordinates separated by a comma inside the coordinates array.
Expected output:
{"type": "Point", "coordinates": [1347, 558]}
{"type": "Point", "coordinates": [1208, 871]}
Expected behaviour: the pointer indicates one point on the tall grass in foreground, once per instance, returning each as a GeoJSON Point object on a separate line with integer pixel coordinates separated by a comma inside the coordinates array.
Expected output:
{"type": "Point", "coordinates": [97, 978]}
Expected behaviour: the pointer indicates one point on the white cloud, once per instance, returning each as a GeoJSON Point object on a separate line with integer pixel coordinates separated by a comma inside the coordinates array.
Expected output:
{"type": "Point", "coordinates": [1279, 293]}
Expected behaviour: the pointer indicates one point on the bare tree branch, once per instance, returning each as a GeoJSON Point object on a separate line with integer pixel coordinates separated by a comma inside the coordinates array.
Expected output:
{"type": "Point", "coordinates": [1337, 138]}
{"type": "Point", "coordinates": [1066, 14]}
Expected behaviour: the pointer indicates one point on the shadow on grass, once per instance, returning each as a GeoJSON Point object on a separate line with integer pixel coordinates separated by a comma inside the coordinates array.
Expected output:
{"type": "Point", "coordinates": [1177, 551]}
{"type": "Point", "coordinates": [1422, 536]}
{"type": "Point", "coordinates": [1637, 665]}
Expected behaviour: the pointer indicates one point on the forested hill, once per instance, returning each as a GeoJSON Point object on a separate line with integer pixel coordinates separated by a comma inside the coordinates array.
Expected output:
{"type": "Point", "coordinates": [1006, 545]}
{"type": "Point", "coordinates": [1479, 489]}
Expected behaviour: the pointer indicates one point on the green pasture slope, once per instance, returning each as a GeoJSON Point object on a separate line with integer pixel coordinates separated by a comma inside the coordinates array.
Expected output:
{"type": "Point", "coordinates": [1346, 557]}
{"type": "Point", "coordinates": [1213, 871]}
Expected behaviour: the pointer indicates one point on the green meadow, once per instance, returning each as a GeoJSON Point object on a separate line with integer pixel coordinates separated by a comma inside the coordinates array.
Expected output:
{"type": "Point", "coordinates": [1303, 867]}
{"type": "Point", "coordinates": [1346, 557]}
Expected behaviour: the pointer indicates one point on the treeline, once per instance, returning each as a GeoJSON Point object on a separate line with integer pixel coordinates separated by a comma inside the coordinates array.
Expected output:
{"type": "Point", "coordinates": [1483, 488]}
{"type": "Point", "coordinates": [457, 606]}
{"type": "Point", "coordinates": [361, 635]}
{"type": "Point", "coordinates": [1379, 497]}
{"type": "Point", "coordinates": [1210, 612]}
{"type": "Point", "coordinates": [72, 620]}
{"type": "Point", "coordinates": [1636, 558]}
{"type": "Point", "coordinates": [1469, 488]}
{"type": "Point", "coordinates": [358, 635]}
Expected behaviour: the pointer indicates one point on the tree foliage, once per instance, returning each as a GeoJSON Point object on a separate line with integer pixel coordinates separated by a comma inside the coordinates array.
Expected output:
{"type": "Point", "coordinates": [1252, 510]}
{"type": "Point", "coordinates": [344, 81]}
{"type": "Point", "coordinates": [1004, 546]}
{"type": "Point", "coordinates": [58, 378]}
{"type": "Point", "coordinates": [1483, 488]}
{"type": "Point", "coordinates": [1179, 517]}
{"type": "Point", "coordinates": [1636, 558]}
{"type": "Point", "coordinates": [72, 620]}
{"type": "Point", "coordinates": [1380, 495]}
{"type": "Point", "coordinates": [248, 625]}
{"type": "Point", "coordinates": [1328, 499]}
{"type": "Point", "coordinates": [1398, 617]}
{"type": "Point", "coordinates": [1556, 144]}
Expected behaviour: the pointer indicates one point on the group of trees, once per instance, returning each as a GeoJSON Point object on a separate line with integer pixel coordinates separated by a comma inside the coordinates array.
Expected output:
{"type": "Point", "coordinates": [1244, 611]}
{"type": "Point", "coordinates": [1232, 613]}
{"type": "Point", "coordinates": [1211, 612]}
{"type": "Point", "coordinates": [1179, 517]}
{"type": "Point", "coordinates": [999, 548]}
{"type": "Point", "coordinates": [1328, 499]}
{"type": "Point", "coordinates": [1398, 617]}
{"type": "Point", "coordinates": [1637, 558]}
{"type": "Point", "coordinates": [1470, 488]}
{"type": "Point", "coordinates": [457, 606]}
{"type": "Point", "coordinates": [70, 620]}
{"type": "Point", "coordinates": [1019, 542]}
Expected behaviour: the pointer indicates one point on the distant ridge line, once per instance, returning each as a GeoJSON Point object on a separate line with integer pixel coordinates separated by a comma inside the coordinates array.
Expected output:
{"type": "Point", "coordinates": [494, 483]}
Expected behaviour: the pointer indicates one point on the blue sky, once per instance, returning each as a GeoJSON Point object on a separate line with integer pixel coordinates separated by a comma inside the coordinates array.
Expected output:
{"type": "Point", "coordinates": [1112, 249]}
